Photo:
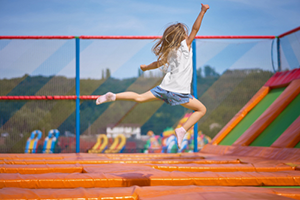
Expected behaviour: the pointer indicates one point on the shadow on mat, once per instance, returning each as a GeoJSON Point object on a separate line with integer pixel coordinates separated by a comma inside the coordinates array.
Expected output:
{"type": "Point", "coordinates": [131, 179]}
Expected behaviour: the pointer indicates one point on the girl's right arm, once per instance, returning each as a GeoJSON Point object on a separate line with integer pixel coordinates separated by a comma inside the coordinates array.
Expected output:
{"type": "Point", "coordinates": [153, 65]}
{"type": "Point", "coordinates": [197, 25]}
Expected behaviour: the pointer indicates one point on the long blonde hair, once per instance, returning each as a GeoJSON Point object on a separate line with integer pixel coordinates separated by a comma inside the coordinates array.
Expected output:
{"type": "Point", "coordinates": [171, 39]}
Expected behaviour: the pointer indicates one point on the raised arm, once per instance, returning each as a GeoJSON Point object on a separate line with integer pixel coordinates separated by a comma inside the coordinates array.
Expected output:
{"type": "Point", "coordinates": [153, 65]}
{"type": "Point", "coordinates": [197, 24]}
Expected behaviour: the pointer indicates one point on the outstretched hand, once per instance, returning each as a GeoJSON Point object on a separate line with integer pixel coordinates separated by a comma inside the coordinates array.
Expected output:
{"type": "Point", "coordinates": [143, 67]}
{"type": "Point", "coordinates": [204, 7]}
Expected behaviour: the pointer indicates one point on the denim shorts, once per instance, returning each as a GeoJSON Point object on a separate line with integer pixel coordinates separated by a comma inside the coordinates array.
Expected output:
{"type": "Point", "coordinates": [171, 98]}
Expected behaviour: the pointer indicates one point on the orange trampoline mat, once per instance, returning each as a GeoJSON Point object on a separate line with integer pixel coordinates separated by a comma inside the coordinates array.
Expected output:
{"type": "Point", "coordinates": [119, 170]}
{"type": "Point", "coordinates": [152, 176]}
{"type": "Point", "coordinates": [154, 193]}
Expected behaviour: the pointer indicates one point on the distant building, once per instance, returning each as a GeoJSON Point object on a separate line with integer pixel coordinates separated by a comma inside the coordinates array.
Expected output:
{"type": "Point", "coordinates": [129, 130]}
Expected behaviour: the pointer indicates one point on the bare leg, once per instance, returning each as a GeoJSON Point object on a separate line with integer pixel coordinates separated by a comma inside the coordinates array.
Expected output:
{"type": "Point", "coordinates": [129, 96]}
{"type": "Point", "coordinates": [199, 111]}
{"type": "Point", "coordinates": [132, 96]}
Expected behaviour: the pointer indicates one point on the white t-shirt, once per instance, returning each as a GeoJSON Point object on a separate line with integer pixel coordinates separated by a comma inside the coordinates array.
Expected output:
{"type": "Point", "coordinates": [179, 77]}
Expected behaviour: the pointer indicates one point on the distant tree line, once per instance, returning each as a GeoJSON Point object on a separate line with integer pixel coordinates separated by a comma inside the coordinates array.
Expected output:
{"type": "Point", "coordinates": [249, 82]}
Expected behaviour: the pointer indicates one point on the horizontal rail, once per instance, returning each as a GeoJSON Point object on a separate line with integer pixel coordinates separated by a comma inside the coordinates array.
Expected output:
{"type": "Point", "coordinates": [289, 32]}
{"type": "Point", "coordinates": [139, 37]}
{"type": "Point", "coordinates": [153, 37]}
{"type": "Point", "coordinates": [119, 37]}
{"type": "Point", "coordinates": [197, 37]}
{"type": "Point", "coordinates": [55, 97]}
{"type": "Point", "coordinates": [237, 37]}
{"type": "Point", "coordinates": [36, 37]}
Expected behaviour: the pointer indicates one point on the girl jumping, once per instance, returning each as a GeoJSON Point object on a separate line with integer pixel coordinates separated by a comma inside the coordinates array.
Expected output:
{"type": "Point", "coordinates": [174, 52]}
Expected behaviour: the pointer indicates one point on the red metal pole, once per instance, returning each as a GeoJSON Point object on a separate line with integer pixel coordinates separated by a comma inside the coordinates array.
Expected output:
{"type": "Point", "coordinates": [289, 32]}
{"type": "Point", "coordinates": [55, 97]}
{"type": "Point", "coordinates": [36, 37]}
{"type": "Point", "coordinates": [140, 37]}
{"type": "Point", "coordinates": [237, 37]}
{"type": "Point", "coordinates": [197, 37]}
{"type": "Point", "coordinates": [119, 37]}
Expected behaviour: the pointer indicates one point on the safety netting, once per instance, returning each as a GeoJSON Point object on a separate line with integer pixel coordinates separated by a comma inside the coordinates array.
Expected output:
{"type": "Point", "coordinates": [229, 72]}
{"type": "Point", "coordinates": [34, 67]}
{"type": "Point", "coordinates": [290, 50]}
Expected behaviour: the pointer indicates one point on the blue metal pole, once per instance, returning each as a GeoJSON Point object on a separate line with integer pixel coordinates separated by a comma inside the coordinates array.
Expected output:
{"type": "Point", "coordinates": [195, 93]}
{"type": "Point", "coordinates": [77, 85]}
{"type": "Point", "coordinates": [278, 54]}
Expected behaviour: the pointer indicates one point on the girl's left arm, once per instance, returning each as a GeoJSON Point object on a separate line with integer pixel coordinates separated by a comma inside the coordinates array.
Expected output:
{"type": "Point", "coordinates": [153, 65]}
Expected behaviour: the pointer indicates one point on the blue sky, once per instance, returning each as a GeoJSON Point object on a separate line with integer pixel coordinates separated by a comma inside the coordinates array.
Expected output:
{"type": "Point", "coordinates": [141, 17]}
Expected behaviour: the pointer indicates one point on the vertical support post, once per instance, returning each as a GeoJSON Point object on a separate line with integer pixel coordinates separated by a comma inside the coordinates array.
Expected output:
{"type": "Point", "coordinates": [195, 93]}
{"type": "Point", "coordinates": [77, 85]}
{"type": "Point", "coordinates": [278, 54]}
